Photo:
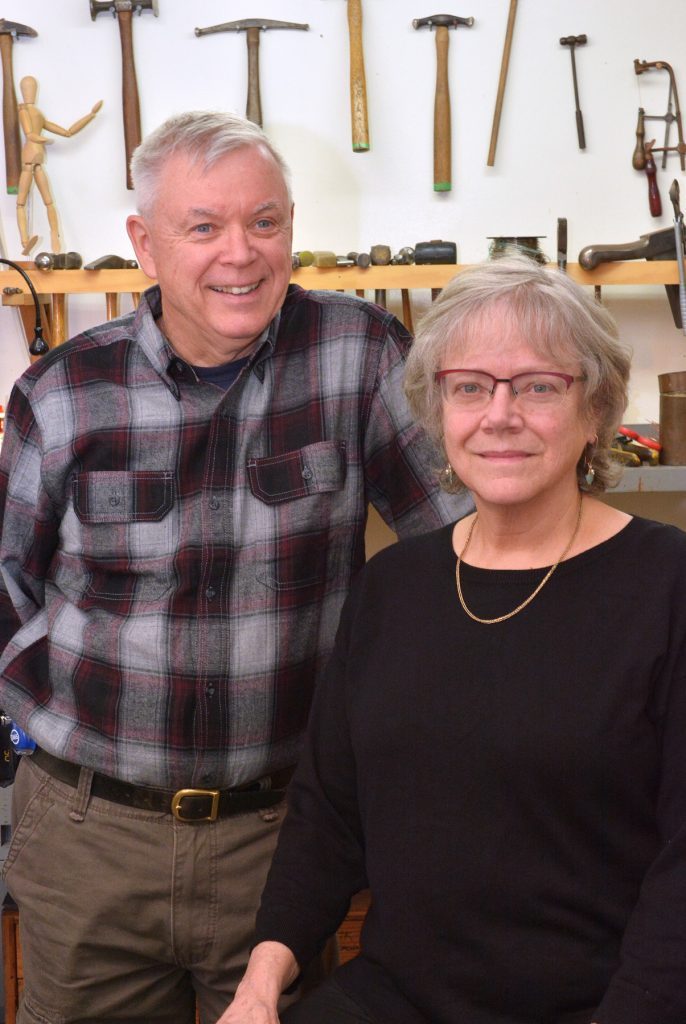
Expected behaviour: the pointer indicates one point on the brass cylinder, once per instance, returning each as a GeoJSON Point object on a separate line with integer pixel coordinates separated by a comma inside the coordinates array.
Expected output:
{"type": "Point", "coordinates": [673, 418]}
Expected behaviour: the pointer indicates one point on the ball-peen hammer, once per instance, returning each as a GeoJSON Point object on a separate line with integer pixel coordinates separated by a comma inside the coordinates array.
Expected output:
{"type": "Point", "coordinates": [252, 28]}
{"type": "Point", "coordinates": [572, 42]}
{"type": "Point", "coordinates": [442, 138]}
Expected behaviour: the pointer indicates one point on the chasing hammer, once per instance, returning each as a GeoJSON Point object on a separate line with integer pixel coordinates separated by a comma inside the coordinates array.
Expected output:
{"type": "Point", "coordinates": [123, 11]}
{"type": "Point", "coordinates": [9, 31]}
{"type": "Point", "coordinates": [252, 28]}
{"type": "Point", "coordinates": [442, 137]}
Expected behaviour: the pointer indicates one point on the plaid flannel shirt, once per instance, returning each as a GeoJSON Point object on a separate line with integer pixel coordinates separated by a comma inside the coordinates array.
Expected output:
{"type": "Point", "coordinates": [174, 558]}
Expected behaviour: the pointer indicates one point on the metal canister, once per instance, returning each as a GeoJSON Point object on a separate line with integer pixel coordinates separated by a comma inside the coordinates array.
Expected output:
{"type": "Point", "coordinates": [673, 418]}
{"type": "Point", "coordinates": [528, 245]}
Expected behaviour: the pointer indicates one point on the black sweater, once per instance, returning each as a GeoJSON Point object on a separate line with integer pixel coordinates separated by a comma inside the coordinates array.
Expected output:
{"type": "Point", "coordinates": [514, 794]}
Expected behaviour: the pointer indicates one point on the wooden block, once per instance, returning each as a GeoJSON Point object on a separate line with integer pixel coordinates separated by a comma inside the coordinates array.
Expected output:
{"type": "Point", "coordinates": [349, 931]}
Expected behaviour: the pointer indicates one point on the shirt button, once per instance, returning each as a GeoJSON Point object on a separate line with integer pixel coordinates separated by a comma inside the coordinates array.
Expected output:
{"type": "Point", "coordinates": [210, 691]}
{"type": "Point", "coordinates": [180, 368]}
{"type": "Point", "coordinates": [307, 474]}
{"type": "Point", "coordinates": [210, 593]}
{"type": "Point", "coordinates": [214, 504]}
{"type": "Point", "coordinates": [115, 500]}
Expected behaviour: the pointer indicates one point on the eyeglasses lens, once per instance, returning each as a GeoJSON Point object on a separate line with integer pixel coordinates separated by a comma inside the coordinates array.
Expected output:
{"type": "Point", "coordinates": [469, 389]}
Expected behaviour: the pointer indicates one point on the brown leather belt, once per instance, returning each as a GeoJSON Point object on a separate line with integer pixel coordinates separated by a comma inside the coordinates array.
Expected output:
{"type": "Point", "coordinates": [187, 805]}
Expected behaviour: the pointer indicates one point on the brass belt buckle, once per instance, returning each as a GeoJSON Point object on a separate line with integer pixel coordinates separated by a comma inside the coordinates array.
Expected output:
{"type": "Point", "coordinates": [180, 796]}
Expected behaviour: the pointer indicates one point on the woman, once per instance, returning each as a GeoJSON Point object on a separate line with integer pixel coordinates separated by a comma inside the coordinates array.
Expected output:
{"type": "Point", "coordinates": [499, 748]}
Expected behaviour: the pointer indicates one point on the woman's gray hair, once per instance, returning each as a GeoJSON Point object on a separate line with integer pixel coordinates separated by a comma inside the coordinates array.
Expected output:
{"type": "Point", "coordinates": [205, 136]}
{"type": "Point", "coordinates": [556, 316]}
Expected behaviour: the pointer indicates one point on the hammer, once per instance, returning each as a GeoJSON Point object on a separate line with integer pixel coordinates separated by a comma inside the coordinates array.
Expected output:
{"type": "Point", "coordinates": [9, 31]}
{"type": "Point", "coordinates": [572, 42]}
{"type": "Point", "coordinates": [252, 27]}
{"type": "Point", "coordinates": [123, 10]}
{"type": "Point", "coordinates": [442, 175]}
{"type": "Point", "coordinates": [358, 82]}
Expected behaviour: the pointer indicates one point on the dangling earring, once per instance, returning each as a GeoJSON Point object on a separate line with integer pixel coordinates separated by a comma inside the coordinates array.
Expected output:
{"type": "Point", "coordinates": [449, 475]}
{"type": "Point", "coordinates": [589, 471]}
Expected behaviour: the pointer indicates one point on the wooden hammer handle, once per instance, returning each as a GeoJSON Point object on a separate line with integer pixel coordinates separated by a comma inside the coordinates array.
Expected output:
{"type": "Point", "coordinates": [129, 85]}
{"type": "Point", "coordinates": [504, 65]}
{"type": "Point", "coordinates": [254, 108]}
{"type": "Point", "coordinates": [442, 138]}
{"type": "Point", "coordinates": [10, 117]}
{"type": "Point", "coordinates": [358, 84]}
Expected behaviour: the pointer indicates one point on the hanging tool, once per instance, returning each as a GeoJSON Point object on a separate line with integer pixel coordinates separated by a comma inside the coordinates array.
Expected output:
{"type": "Point", "coordinates": [442, 23]}
{"type": "Point", "coordinates": [672, 115]}
{"type": "Point", "coordinates": [504, 65]}
{"type": "Point", "coordinates": [654, 200]}
{"type": "Point", "coordinates": [562, 243]}
{"type": "Point", "coordinates": [657, 245]}
{"type": "Point", "coordinates": [123, 11]}
{"type": "Point", "coordinates": [358, 81]}
{"type": "Point", "coordinates": [572, 42]}
{"type": "Point", "coordinates": [679, 246]}
{"type": "Point", "coordinates": [9, 32]}
{"type": "Point", "coordinates": [252, 28]}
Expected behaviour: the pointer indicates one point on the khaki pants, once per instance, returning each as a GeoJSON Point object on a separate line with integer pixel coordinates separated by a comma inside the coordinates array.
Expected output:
{"type": "Point", "coordinates": [127, 915]}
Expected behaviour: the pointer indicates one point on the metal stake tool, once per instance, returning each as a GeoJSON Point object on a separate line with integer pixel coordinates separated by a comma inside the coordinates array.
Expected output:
{"type": "Point", "coordinates": [572, 42]}
{"type": "Point", "coordinates": [679, 242]}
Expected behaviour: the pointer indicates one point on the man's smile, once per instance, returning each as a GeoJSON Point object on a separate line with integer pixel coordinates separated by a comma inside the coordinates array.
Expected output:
{"type": "Point", "coordinates": [228, 289]}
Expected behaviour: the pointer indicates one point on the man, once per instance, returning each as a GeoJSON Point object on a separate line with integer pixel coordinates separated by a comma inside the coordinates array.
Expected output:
{"type": "Point", "coordinates": [184, 495]}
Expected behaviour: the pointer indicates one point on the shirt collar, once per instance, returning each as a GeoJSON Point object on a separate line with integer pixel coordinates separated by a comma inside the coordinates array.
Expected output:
{"type": "Point", "coordinates": [163, 357]}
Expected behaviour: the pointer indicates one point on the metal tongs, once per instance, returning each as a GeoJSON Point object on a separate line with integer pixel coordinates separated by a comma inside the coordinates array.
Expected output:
{"type": "Point", "coordinates": [679, 243]}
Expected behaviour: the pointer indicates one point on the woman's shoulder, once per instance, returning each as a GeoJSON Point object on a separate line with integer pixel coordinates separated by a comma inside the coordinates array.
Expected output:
{"type": "Point", "coordinates": [639, 550]}
{"type": "Point", "coordinates": [403, 554]}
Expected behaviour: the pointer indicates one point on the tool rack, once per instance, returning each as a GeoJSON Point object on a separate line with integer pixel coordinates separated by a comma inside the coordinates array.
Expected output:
{"type": "Point", "coordinates": [54, 286]}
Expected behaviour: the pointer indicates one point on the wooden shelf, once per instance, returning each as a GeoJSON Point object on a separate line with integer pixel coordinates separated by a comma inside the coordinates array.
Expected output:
{"type": "Point", "coordinates": [72, 282]}
{"type": "Point", "coordinates": [644, 479]}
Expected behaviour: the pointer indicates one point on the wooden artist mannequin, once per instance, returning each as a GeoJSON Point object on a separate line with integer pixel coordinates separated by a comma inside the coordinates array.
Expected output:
{"type": "Point", "coordinates": [33, 123]}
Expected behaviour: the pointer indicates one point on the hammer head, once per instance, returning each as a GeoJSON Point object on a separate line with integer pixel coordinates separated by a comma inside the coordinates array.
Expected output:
{"type": "Point", "coordinates": [442, 21]}
{"type": "Point", "coordinates": [246, 23]}
{"type": "Point", "coordinates": [116, 7]}
{"type": "Point", "coordinates": [573, 40]}
{"type": "Point", "coordinates": [13, 28]}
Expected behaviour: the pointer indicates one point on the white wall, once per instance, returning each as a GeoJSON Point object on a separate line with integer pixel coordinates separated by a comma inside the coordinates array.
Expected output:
{"type": "Point", "coordinates": [347, 200]}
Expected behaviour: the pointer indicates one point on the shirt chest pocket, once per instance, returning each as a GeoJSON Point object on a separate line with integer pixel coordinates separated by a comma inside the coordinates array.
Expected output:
{"type": "Point", "coordinates": [302, 490]}
{"type": "Point", "coordinates": [127, 534]}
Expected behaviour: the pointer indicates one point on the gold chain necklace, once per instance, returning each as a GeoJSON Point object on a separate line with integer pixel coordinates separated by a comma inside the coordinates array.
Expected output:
{"type": "Point", "coordinates": [551, 570]}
